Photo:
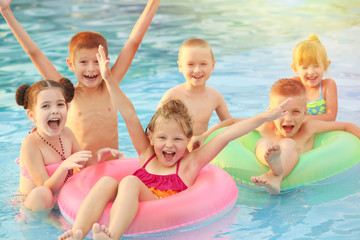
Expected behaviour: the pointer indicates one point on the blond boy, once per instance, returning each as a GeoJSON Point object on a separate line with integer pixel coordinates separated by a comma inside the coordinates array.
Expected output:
{"type": "Point", "coordinates": [92, 117]}
{"type": "Point", "coordinates": [289, 136]}
{"type": "Point", "coordinates": [196, 62]}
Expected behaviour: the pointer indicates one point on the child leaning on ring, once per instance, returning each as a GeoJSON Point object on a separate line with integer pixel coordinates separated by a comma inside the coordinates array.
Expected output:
{"type": "Point", "coordinates": [50, 152]}
{"type": "Point", "coordinates": [285, 138]}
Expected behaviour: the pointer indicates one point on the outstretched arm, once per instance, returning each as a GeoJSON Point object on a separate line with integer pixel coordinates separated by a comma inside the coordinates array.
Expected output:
{"type": "Point", "coordinates": [124, 105]}
{"type": "Point", "coordinates": [41, 62]}
{"type": "Point", "coordinates": [128, 52]}
{"type": "Point", "coordinates": [208, 151]}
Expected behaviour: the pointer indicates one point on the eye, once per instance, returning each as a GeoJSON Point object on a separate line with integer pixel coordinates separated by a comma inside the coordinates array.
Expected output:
{"type": "Point", "coordinates": [61, 104]}
{"type": "Point", "coordinates": [45, 106]}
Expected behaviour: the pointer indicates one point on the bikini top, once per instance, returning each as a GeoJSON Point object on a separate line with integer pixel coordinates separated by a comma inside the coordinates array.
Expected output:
{"type": "Point", "coordinates": [51, 168]}
{"type": "Point", "coordinates": [161, 182]}
{"type": "Point", "coordinates": [318, 106]}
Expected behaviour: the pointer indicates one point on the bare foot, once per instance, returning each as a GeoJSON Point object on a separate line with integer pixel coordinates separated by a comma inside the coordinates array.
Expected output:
{"type": "Point", "coordinates": [268, 180]}
{"type": "Point", "coordinates": [102, 233]}
{"type": "Point", "coordinates": [272, 157]}
{"type": "Point", "coordinates": [69, 235]}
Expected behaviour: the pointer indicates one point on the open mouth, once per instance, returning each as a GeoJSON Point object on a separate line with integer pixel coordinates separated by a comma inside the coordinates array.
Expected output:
{"type": "Point", "coordinates": [168, 154]}
{"type": "Point", "coordinates": [91, 77]}
{"type": "Point", "coordinates": [288, 128]}
{"type": "Point", "coordinates": [198, 76]}
{"type": "Point", "coordinates": [54, 123]}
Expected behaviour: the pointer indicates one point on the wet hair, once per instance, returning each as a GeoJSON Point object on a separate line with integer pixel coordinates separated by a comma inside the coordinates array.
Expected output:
{"type": "Point", "coordinates": [310, 51]}
{"type": "Point", "coordinates": [88, 40]}
{"type": "Point", "coordinates": [173, 109]}
{"type": "Point", "coordinates": [196, 42]}
{"type": "Point", "coordinates": [26, 95]}
{"type": "Point", "coordinates": [287, 87]}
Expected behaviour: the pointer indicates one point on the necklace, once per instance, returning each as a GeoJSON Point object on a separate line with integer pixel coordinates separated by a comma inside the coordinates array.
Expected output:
{"type": "Point", "coordinates": [62, 153]}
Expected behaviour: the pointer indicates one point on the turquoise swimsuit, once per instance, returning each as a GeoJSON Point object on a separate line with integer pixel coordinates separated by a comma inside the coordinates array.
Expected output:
{"type": "Point", "coordinates": [318, 106]}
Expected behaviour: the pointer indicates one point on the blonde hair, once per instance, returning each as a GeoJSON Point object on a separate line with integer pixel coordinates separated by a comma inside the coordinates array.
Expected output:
{"type": "Point", "coordinates": [88, 40]}
{"type": "Point", "coordinates": [310, 51]}
{"type": "Point", "coordinates": [173, 109]}
{"type": "Point", "coordinates": [195, 42]}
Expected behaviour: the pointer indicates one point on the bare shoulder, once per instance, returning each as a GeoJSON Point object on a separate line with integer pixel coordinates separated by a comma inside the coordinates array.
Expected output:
{"type": "Point", "coordinates": [213, 92]}
{"type": "Point", "coordinates": [328, 82]}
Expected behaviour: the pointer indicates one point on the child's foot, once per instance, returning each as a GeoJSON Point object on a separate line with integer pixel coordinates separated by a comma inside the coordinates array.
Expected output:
{"type": "Point", "coordinates": [102, 233]}
{"type": "Point", "coordinates": [272, 157]}
{"type": "Point", "coordinates": [268, 180]}
{"type": "Point", "coordinates": [70, 235]}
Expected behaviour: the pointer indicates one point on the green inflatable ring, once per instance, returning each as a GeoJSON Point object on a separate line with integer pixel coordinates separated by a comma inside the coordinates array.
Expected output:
{"type": "Point", "coordinates": [333, 153]}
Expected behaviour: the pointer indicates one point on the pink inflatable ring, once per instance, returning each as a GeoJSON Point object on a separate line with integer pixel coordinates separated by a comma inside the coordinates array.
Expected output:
{"type": "Point", "coordinates": [213, 195]}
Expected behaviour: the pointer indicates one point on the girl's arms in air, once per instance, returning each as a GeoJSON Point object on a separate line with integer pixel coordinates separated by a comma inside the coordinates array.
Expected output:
{"type": "Point", "coordinates": [124, 105]}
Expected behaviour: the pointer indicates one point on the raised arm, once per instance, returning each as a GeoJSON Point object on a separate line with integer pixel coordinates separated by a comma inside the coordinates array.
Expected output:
{"type": "Point", "coordinates": [128, 52]}
{"type": "Point", "coordinates": [41, 62]}
{"type": "Point", "coordinates": [124, 105]}
{"type": "Point", "coordinates": [208, 151]}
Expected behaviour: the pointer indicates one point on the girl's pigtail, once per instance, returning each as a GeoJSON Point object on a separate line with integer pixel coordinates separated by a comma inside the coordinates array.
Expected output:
{"type": "Point", "coordinates": [21, 96]}
{"type": "Point", "coordinates": [69, 89]}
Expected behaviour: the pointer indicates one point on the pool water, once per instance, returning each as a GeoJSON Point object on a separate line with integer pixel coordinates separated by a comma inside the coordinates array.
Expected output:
{"type": "Point", "coordinates": [252, 43]}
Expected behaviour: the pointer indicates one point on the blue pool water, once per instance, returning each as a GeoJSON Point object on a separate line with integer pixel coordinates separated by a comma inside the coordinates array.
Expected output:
{"type": "Point", "coordinates": [252, 42]}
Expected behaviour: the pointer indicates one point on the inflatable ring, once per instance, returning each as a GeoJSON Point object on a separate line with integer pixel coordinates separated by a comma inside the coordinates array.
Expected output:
{"type": "Point", "coordinates": [333, 152]}
{"type": "Point", "coordinates": [213, 194]}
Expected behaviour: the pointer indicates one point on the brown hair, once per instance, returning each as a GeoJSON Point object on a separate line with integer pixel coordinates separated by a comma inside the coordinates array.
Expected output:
{"type": "Point", "coordinates": [287, 87]}
{"type": "Point", "coordinates": [196, 42]}
{"type": "Point", "coordinates": [173, 109]}
{"type": "Point", "coordinates": [26, 95]}
{"type": "Point", "coordinates": [87, 39]}
{"type": "Point", "coordinates": [310, 51]}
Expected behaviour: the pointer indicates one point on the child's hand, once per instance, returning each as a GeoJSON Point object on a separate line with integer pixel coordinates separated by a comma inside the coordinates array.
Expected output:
{"type": "Point", "coordinates": [4, 4]}
{"type": "Point", "coordinates": [103, 153]}
{"type": "Point", "coordinates": [77, 160]}
{"type": "Point", "coordinates": [278, 112]}
{"type": "Point", "coordinates": [103, 64]}
{"type": "Point", "coordinates": [195, 142]}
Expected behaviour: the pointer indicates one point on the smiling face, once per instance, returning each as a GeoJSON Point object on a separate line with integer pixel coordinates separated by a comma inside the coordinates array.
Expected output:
{"type": "Point", "coordinates": [290, 124]}
{"type": "Point", "coordinates": [169, 141]}
{"type": "Point", "coordinates": [86, 67]}
{"type": "Point", "coordinates": [196, 63]}
{"type": "Point", "coordinates": [310, 74]}
{"type": "Point", "coordinates": [50, 112]}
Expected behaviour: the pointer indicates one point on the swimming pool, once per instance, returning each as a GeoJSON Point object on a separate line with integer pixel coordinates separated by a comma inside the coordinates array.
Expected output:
{"type": "Point", "coordinates": [252, 43]}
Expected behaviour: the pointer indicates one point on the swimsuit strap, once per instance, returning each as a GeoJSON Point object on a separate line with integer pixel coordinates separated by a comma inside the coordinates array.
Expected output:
{"type": "Point", "coordinates": [178, 164]}
{"type": "Point", "coordinates": [320, 90]}
{"type": "Point", "coordinates": [146, 163]}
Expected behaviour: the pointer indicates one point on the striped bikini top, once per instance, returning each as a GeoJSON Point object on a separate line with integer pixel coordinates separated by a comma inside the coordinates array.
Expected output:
{"type": "Point", "coordinates": [318, 106]}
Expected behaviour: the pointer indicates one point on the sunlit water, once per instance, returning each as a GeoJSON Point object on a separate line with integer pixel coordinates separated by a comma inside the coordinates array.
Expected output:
{"type": "Point", "coordinates": [252, 42]}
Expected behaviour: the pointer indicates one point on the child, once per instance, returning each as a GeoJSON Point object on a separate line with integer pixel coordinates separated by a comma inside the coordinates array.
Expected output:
{"type": "Point", "coordinates": [310, 62]}
{"type": "Point", "coordinates": [50, 151]}
{"type": "Point", "coordinates": [163, 151]}
{"type": "Point", "coordinates": [91, 107]}
{"type": "Point", "coordinates": [289, 136]}
{"type": "Point", "coordinates": [196, 62]}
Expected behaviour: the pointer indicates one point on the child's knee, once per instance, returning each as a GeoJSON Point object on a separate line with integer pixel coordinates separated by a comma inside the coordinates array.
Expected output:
{"type": "Point", "coordinates": [40, 198]}
{"type": "Point", "coordinates": [129, 182]}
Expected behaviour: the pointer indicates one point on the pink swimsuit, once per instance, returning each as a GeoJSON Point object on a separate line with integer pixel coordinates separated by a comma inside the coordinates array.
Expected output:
{"type": "Point", "coordinates": [51, 168]}
{"type": "Point", "coordinates": [163, 183]}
